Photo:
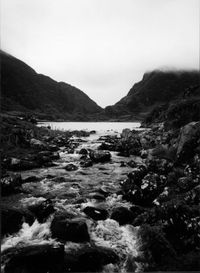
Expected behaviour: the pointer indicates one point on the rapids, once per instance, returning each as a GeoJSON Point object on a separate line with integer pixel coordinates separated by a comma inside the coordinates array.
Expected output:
{"type": "Point", "coordinates": [72, 192]}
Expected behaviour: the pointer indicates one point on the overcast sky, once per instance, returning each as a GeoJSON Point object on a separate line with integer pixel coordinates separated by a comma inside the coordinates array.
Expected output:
{"type": "Point", "coordinates": [101, 46]}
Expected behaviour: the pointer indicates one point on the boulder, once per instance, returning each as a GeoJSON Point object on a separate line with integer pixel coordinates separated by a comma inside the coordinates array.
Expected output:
{"type": "Point", "coordinates": [42, 210]}
{"type": "Point", "coordinates": [86, 163]}
{"type": "Point", "coordinates": [71, 167]}
{"type": "Point", "coordinates": [13, 218]}
{"type": "Point", "coordinates": [188, 140]}
{"type": "Point", "coordinates": [40, 258]}
{"type": "Point", "coordinates": [89, 259]}
{"type": "Point", "coordinates": [100, 156]}
{"type": "Point", "coordinates": [122, 215]}
{"type": "Point", "coordinates": [65, 228]}
{"type": "Point", "coordinates": [83, 151]}
{"type": "Point", "coordinates": [96, 213]}
{"type": "Point", "coordinates": [37, 144]}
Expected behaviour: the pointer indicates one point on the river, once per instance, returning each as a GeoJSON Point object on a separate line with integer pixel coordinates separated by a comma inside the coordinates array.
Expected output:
{"type": "Point", "coordinates": [73, 191]}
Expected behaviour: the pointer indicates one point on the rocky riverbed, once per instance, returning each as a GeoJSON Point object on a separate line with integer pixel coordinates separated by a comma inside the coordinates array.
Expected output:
{"type": "Point", "coordinates": [74, 202]}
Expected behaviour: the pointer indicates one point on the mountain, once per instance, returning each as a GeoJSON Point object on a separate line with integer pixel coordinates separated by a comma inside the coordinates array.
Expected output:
{"type": "Point", "coordinates": [24, 90]}
{"type": "Point", "coordinates": [155, 88]}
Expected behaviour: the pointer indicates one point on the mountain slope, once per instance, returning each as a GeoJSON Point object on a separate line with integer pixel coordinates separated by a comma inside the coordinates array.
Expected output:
{"type": "Point", "coordinates": [154, 89]}
{"type": "Point", "coordinates": [25, 90]}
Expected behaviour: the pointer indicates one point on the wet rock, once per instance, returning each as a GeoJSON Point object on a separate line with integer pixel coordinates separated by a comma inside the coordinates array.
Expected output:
{"type": "Point", "coordinates": [83, 151]}
{"type": "Point", "coordinates": [11, 184]}
{"type": "Point", "coordinates": [100, 156]}
{"type": "Point", "coordinates": [89, 259]}
{"type": "Point", "coordinates": [20, 164]}
{"type": "Point", "coordinates": [86, 163]}
{"type": "Point", "coordinates": [40, 258]}
{"type": "Point", "coordinates": [136, 211]}
{"type": "Point", "coordinates": [53, 148]}
{"type": "Point", "coordinates": [122, 215]}
{"type": "Point", "coordinates": [37, 144]}
{"type": "Point", "coordinates": [30, 179]}
{"type": "Point", "coordinates": [107, 146]}
{"type": "Point", "coordinates": [42, 210]}
{"type": "Point", "coordinates": [66, 229]}
{"type": "Point", "coordinates": [97, 196]}
{"type": "Point", "coordinates": [71, 167]}
{"type": "Point", "coordinates": [96, 213]}
{"type": "Point", "coordinates": [13, 218]}
{"type": "Point", "coordinates": [132, 164]}
{"type": "Point", "coordinates": [129, 144]}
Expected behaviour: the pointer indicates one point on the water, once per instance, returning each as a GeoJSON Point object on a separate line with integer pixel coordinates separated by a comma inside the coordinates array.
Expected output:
{"type": "Point", "coordinates": [99, 127]}
{"type": "Point", "coordinates": [66, 188]}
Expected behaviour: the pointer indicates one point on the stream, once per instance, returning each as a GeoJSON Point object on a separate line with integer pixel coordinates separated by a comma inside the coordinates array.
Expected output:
{"type": "Point", "coordinates": [72, 191]}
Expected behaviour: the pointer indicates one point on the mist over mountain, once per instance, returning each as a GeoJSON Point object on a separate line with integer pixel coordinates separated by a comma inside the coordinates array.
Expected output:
{"type": "Point", "coordinates": [22, 89]}
{"type": "Point", "coordinates": [155, 88]}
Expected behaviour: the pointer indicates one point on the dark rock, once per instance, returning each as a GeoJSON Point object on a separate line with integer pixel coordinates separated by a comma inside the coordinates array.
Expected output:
{"type": "Point", "coordinates": [132, 164]}
{"type": "Point", "coordinates": [11, 184]}
{"type": "Point", "coordinates": [30, 179]}
{"type": "Point", "coordinates": [122, 215]}
{"type": "Point", "coordinates": [71, 167]}
{"type": "Point", "coordinates": [53, 148]}
{"type": "Point", "coordinates": [40, 258]}
{"type": "Point", "coordinates": [89, 259]}
{"type": "Point", "coordinates": [137, 210]}
{"type": "Point", "coordinates": [42, 210]}
{"type": "Point", "coordinates": [100, 156]}
{"type": "Point", "coordinates": [122, 164]}
{"type": "Point", "coordinates": [188, 140]}
{"type": "Point", "coordinates": [97, 196]}
{"type": "Point", "coordinates": [83, 151]}
{"type": "Point", "coordinates": [86, 163]}
{"type": "Point", "coordinates": [13, 218]}
{"type": "Point", "coordinates": [66, 229]}
{"type": "Point", "coordinates": [185, 184]}
{"type": "Point", "coordinates": [96, 213]}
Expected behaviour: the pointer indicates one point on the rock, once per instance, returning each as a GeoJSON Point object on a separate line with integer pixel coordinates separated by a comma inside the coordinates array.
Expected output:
{"type": "Point", "coordinates": [164, 152]}
{"type": "Point", "coordinates": [40, 258]}
{"type": "Point", "coordinates": [30, 179]}
{"type": "Point", "coordinates": [37, 144]}
{"type": "Point", "coordinates": [86, 163]}
{"type": "Point", "coordinates": [122, 215]}
{"type": "Point", "coordinates": [136, 211]}
{"type": "Point", "coordinates": [89, 259]}
{"type": "Point", "coordinates": [83, 151]}
{"type": "Point", "coordinates": [13, 218]}
{"type": "Point", "coordinates": [53, 148]}
{"type": "Point", "coordinates": [185, 184]}
{"type": "Point", "coordinates": [122, 164]}
{"type": "Point", "coordinates": [97, 196]}
{"type": "Point", "coordinates": [42, 210]}
{"type": "Point", "coordinates": [188, 140]}
{"type": "Point", "coordinates": [66, 229]}
{"type": "Point", "coordinates": [71, 167]}
{"type": "Point", "coordinates": [11, 184]}
{"type": "Point", "coordinates": [132, 164]}
{"type": "Point", "coordinates": [96, 213]}
{"type": "Point", "coordinates": [100, 156]}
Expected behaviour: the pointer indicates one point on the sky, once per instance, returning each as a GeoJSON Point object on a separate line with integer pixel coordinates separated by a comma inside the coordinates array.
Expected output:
{"type": "Point", "coordinates": [102, 47]}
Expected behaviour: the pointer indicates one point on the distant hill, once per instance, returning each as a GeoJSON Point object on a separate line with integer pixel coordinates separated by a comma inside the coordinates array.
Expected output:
{"type": "Point", "coordinates": [22, 89]}
{"type": "Point", "coordinates": [156, 87]}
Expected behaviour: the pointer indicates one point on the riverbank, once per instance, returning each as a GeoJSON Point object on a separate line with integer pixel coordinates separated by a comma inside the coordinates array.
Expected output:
{"type": "Point", "coordinates": [72, 202]}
